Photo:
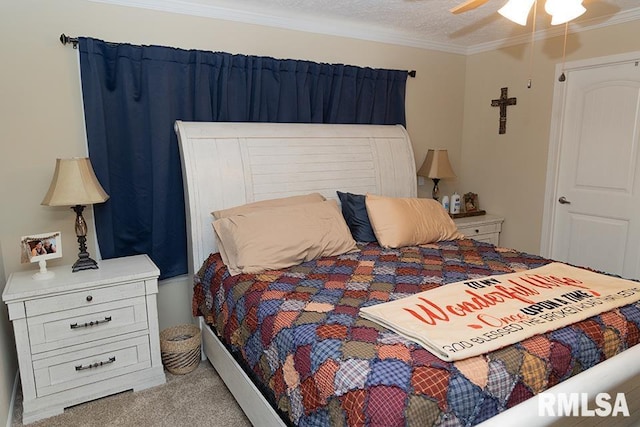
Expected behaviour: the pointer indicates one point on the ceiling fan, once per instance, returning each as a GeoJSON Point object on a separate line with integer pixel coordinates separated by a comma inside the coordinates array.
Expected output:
{"type": "Point", "coordinates": [561, 11]}
{"type": "Point", "coordinates": [468, 5]}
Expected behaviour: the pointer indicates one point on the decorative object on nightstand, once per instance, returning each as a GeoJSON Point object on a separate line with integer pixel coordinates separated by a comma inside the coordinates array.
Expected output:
{"type": "Point", "coordinates": [471, 203]}
{"type": "Point", "coordinates": [39, 248]}
{"type": "Point", "coordinates": [436, 166]}
{"type": "Point", "coordinates": [75, 184]}
{"type": "Point", "coordinates": [485, 228]}
{"type": "Point", "coordinates": [454, 207]}
{"type": "Point", "coordinates": [471, 207]}
{"type": "Point", "coordinates": [82, 336]}
{"type": "Point", "coordinates": [445, 202]}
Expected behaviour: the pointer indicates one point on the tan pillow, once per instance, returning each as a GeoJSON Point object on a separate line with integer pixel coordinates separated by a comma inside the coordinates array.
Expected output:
{"type": "Point", "coordinates": [400, 222]}
{"type": "Point", "coordinates": [283, 236]}
{"type": "Point", "coordinates": [271, 203]}
{"type": "Point", "coordinates": [263, 204]}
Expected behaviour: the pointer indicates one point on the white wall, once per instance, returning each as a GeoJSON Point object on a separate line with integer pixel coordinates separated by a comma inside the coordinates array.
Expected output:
{"type": "Point", "coordinates": [509, 171]}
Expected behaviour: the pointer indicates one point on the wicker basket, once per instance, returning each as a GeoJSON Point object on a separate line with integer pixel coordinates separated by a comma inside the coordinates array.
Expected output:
{"type": "Point", "coordinates": [180, 348]}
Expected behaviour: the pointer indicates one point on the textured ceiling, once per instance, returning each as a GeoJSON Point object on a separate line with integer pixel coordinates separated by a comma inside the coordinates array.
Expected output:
{"type": "Point", "coordinates": [420, 23]}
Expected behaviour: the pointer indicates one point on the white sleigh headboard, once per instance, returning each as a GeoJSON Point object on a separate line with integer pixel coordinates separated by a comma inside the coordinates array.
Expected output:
{"type": "Point", "coordinates": [229, 164]}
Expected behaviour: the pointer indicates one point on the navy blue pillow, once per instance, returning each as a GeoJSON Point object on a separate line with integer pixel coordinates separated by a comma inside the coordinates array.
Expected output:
{"type": "Point", "coordinates": [355, 214]}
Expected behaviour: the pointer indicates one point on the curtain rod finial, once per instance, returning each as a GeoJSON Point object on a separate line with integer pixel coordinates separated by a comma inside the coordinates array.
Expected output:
{"type": "Point", "coordinates": [65, 39]}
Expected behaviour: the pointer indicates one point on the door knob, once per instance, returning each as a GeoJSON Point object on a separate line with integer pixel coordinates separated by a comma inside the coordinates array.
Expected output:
{"type": "Point", "coordinates": [563, 201]}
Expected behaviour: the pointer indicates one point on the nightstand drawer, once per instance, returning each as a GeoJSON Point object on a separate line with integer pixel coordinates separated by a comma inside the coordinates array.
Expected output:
{"type": "Point", "coordinates": [86, 366]}
{"type": "Point", "coordinates": [482, 228]}
{"type": "Point", "coordinates": [84, 299]}
{"type": "Point", "coordinates": [70, 327]}
{"type": "Point", "coordinates": [473, 230]}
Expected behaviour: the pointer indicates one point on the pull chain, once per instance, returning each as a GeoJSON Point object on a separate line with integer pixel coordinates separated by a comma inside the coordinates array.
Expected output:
{"type": "Point", "coordinates": [533, 33]}
{"type": "Point", "coordinates": [564, 52]}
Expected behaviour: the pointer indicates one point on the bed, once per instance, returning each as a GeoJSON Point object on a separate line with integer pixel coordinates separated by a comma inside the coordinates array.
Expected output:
{"type": "Point", "coordinates": [231, 164]}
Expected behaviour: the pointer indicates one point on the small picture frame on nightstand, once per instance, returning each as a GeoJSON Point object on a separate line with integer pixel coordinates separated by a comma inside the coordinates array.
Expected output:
{"type": "Point", "coordinates": [470, 206]}
{"type": "Point", "coordinates": [471, 203]}
{"type": "Point", "coordinates": [39, 248]}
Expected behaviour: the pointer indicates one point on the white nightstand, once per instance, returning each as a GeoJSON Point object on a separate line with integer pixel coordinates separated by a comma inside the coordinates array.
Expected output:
{"type": "Point", "coordinates": [485, 228]}
{"type": "Point", "coordinates": [85, 335]}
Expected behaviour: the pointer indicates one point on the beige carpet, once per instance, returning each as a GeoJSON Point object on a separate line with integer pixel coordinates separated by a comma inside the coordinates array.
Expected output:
{"type": "Point", "coordinates": [198, 398]}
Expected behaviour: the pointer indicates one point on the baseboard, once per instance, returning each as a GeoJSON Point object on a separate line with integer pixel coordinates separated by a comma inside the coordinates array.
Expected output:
{"type": "Point", "coordinates": [14, 393]}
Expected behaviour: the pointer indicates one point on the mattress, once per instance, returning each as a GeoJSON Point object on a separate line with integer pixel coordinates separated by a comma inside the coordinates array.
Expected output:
{"type": "Point", "coordinates": [298, 332]}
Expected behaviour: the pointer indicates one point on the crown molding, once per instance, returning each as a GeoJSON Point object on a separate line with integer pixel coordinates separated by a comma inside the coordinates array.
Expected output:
{"type": "Point", "coordinates": [360, 31]}
{"type": "Point", "coordinates": [291, 22]}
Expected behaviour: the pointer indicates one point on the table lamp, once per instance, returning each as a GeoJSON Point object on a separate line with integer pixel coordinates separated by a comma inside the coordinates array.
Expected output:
{"type": "Point", "coordinates": [436, 166]}
{"type": "Point", "coordinates": [75, 184]}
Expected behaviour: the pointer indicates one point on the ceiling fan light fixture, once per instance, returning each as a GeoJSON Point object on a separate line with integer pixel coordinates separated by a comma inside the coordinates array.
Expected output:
{"type": "Point", "coordinates": [563, 11]}
{"type": "Point", "coordinates": [517, 11]}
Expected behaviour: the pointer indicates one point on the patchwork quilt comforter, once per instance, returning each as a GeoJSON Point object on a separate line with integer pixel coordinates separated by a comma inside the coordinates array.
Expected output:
{"type": "Point", "coordinates": [299, 332]}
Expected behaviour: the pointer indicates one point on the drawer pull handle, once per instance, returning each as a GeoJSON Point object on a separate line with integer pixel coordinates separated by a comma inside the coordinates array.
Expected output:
{"type": "Point", "coordinates": [89, 298]}
{"type": "Point", "coordinates": [477, 231]}
{"type": "Point", "coordinates": [89, 324]}
{"type": "Point", "coordinates": [95, 365]}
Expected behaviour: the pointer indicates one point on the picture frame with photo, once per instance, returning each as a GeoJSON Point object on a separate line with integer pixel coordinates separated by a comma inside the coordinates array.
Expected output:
{"type": "Point", "coordinates": [40, 248]}
{"type": "Point", "coordinates": [471, 203]}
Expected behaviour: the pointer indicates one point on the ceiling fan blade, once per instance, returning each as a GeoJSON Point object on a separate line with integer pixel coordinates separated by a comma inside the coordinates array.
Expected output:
{"type": "Point", "coordinates": [468, 5]}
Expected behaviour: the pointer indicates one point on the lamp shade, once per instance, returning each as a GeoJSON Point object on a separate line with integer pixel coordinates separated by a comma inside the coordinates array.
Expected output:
{"type": "Point", "coordinates": [517, 10]}
{"type": "Point", "coordinates": [562, 11]}
{"type": "Point", "coordinates": [74, 183]}
{"type": "Point", "coordinates": [436, 165]}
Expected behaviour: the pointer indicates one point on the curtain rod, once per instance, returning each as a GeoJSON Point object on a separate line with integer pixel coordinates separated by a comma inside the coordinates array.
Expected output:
{"type": "Point", "coordinates": [65, 39]}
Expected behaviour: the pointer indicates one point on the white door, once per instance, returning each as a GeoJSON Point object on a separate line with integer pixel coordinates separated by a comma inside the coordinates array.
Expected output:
{"type": "Point", "coordinates": [596, 217]}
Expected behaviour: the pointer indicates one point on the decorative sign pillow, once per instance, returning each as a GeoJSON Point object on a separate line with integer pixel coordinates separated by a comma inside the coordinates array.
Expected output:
{"type": "Point", "coordinates": [401, 222]}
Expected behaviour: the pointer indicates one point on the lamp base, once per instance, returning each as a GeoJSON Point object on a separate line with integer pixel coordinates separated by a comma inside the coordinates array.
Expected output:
{"type": "Point", "coordinates": [436, 191]}
{"type": "Point", "coordinates": [84, 264]}
{"type": "Point", "coordinates": [84, 261]}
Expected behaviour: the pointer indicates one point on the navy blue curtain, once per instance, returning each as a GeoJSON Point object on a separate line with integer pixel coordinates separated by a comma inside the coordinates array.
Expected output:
{"type": "Point", "coordinates": [133, 95]}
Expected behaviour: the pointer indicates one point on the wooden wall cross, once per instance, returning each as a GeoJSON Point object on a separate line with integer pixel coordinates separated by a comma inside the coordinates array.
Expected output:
{"type": "Point", "coordinates": [503, 102]}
